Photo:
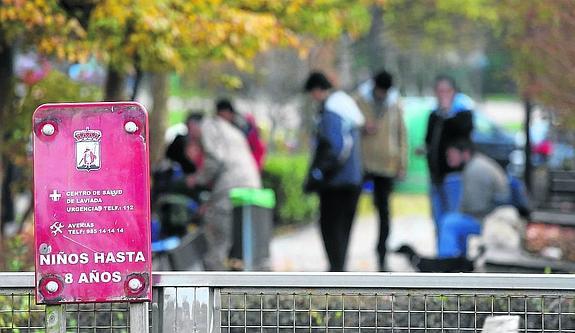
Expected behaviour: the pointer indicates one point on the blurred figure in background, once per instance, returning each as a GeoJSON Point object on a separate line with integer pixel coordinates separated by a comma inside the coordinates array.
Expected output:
{"type": "Point", "coordinates": [175, 204]}
{"type": "Point", "coordinates": [183, 157]}
{"type": "Point", "coordinates": [485, 186]}
{"type": "Point", "coordinates": [384, 146]}
{"type": "Point", "coordinates": [335, 172]}
{"type": "Point", "coordinates": [452, 120]}
{"type": "Point", "coordinates": [177, 151]}
{"type": "Point", "coordinates": [228, 164]}
{"type": "Point", "coordinates": [247, 124]}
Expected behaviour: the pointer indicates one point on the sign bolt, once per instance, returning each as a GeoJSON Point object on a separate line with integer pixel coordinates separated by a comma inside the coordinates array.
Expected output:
{"type": "Point", "coordinates": [135, 284]}
{"type": "Point", "coordinates": [52, 286]}
{"type": "Point", "coordinates": [48, 129]}
{"type": "Point", "coordinates": [130, 127]}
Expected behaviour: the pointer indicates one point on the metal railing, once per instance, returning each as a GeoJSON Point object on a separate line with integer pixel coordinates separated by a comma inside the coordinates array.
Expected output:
{"type": "Point", "coordinates": [302, 302]}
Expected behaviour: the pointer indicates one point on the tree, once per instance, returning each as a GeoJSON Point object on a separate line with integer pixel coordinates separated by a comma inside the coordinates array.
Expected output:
{"type": "Point", "coordinates": [41, 24]}
{"type": "Point", "coordinates": [162, 36]}
{"type": "Point", "coordinates": [425, 37]}
{"type": "Point", "coordinates": [540, 35]}
{"type": "Point", "coordinates": [48, 28]}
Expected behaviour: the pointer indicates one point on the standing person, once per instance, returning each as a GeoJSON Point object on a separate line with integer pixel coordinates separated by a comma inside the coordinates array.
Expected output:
{"type": "Point", "coordinates": [228, 164]}
{"type": "Point", "coordinates": [450, 121]}
{"type": "Point", "coordinates": [384, 146]}
{"type": "Point", "coordinates": [247, 124]}
{"type": "Point", "coordinates": [335, 172]}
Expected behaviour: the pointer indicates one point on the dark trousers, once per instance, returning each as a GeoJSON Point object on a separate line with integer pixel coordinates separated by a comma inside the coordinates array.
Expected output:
{"type": "Point", "coordinates": [337, 210]}
{"type": "Point", "coordinates": [382, 187]}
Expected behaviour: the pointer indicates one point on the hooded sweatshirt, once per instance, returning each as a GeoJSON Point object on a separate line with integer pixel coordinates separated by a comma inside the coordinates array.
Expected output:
{"type": "Point", "coordinates": [384, 152]}
{"type": "Point", "coordinates": [337, 155]}
{"type": "Point", "coordinates": [228, 160]}
{"type": "Point", "coordinates": [443, 128]}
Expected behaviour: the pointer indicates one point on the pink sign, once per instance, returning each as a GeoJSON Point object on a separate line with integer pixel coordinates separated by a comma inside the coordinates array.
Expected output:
{"type": "Point", "coordinates": [92, 203]}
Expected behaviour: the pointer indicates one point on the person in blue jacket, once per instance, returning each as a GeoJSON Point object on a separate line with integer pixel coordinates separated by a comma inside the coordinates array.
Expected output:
{"type": "Point", "coordinates": [336, 171]}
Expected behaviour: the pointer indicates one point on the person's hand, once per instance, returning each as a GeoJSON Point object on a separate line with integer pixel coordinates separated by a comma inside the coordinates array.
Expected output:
{"type": "Point", "coordinates": [420, 151]}
{"type": "Point", "coordinates": [401, 175]}
{"type": "Point", "coordinates": [193, 151]}
{"type": "Point", "coordinates": [370, 128]}
{"type": "Point", "coordinates": [202, 210]}
{"type": "Point", "coordinates": [191, 181]}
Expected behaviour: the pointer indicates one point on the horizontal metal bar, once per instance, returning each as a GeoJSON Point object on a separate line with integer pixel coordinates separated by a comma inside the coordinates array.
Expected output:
{"type": "Point", "coordinates": [17, 280]}
{"type": "Point", "coordinates": [340, 280]}
{"type": "Point", "coordinates": [368, 280]}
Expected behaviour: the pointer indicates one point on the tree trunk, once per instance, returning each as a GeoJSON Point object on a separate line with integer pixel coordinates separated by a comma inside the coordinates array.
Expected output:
{"type": "Point", "coordinates": [114, 88]}
{"type": "Point", "coordinates": [375, 47]}
{"type": "Point", "coordinates": [6, 78]}
{"type": "Point", "coordinates": [137, 83]}
{"type": "Point", "coordinates": [6, 103]}
{"type": "Point", "coordinates": [345, 63]}
{"type": "Point", "coordinates": [528, 167]}
{"type": "Point", "coordinates": [159, 115]}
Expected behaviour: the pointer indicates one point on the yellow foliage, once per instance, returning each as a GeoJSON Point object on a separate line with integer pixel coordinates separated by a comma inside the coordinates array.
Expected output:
{"type": "Point", "coordinates": [169, 34]}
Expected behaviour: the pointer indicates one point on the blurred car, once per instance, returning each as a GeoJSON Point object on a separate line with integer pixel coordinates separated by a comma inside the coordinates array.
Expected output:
{"type": "Point", "coordinates": [488, 137]}
{"type": "Point", "coordinates": [492, 140]}
{"type": "Point", "coordinates": [504, 146]}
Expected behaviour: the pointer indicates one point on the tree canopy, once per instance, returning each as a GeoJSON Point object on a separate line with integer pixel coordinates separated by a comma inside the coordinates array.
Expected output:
{"type": "Point", "coordinates": [173, 34]}
{"type": "Point", "coordinates": [540, 34]}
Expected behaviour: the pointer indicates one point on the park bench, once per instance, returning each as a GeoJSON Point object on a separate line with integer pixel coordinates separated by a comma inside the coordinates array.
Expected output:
{"type": "Point", "coordinates": [550, 228]}
{"type": "Point", "coordinates": [559, 201]}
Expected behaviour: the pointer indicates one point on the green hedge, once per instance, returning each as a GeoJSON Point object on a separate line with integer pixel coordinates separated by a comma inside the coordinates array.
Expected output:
{"type": "Point", "coordinates": [285, 174]}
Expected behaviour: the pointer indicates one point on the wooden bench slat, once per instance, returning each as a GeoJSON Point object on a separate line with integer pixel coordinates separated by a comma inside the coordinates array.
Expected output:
{"type": "Point", "coordinates": [562, 185]}
{"type": "Point", "coordinates": [550, 217]}
{"type": "Point", "coordinates": [514, 258]}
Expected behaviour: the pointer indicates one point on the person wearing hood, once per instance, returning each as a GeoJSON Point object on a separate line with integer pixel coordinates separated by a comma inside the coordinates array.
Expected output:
{"type": "Point", "coordinates": [452, 120]}
{"type": "Point", "coordinates": [227, 164]}
{"type": "Point", "coordinates": [335, 172]}
{"type": "Point", "coordinates": [384, 146]}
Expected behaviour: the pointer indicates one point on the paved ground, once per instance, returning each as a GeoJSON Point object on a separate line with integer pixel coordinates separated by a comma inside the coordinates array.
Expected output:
{"type": "Point", "coordinates": [302, 250]}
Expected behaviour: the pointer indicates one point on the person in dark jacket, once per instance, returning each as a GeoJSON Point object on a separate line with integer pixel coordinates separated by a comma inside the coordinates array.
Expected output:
{"type": "Point", "coordinates": [183, 157]}
{"type": "Point", "coordinates": [176, 151]}
{"type": "Point", "coordinates": [336, 171]}
{"type": "Point", "coordinates": [451, 121]}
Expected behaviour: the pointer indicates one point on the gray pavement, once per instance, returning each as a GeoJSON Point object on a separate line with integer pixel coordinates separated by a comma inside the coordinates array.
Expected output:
{"type": "Point", "coordinates": [302, 250]}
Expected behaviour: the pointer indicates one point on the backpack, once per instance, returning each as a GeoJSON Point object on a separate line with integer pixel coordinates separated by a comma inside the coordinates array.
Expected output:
{"type": "Point", "coordinates": [257, 145]}
{"type": "Point", "coordinates": [175, 212]}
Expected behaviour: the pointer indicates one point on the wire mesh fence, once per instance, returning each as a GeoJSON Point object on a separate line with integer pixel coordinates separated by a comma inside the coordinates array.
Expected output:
{"type": "Point", "coordinates": [390, 311]}
{"type": "Point", "coordinates": [98, 317]}
{"type": "Point", "coordinates": [20, 313]}
{"type": "Point", "coordinates": [18, 310]}
{"type": "Point", "coordinates": [281, 303]}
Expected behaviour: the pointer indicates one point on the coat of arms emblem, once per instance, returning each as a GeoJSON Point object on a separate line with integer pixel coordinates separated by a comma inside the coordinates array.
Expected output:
{"type": "Point", "coordinates": [88, 149]}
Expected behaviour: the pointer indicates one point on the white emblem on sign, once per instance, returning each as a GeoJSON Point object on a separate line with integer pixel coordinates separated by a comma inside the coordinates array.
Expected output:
{"type": "Point", "coordinates": [56, 228]}
{"type": "Point", "coordinates": [45, 248]}
{"type": "Point", "coordinates": [88, 149]}
{"type": "Point", "coordinates": [55, 196]}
